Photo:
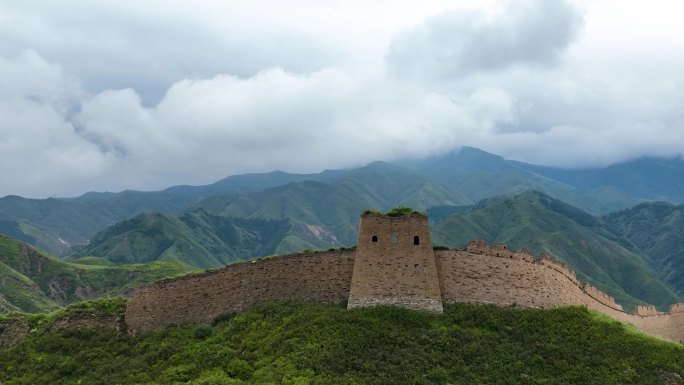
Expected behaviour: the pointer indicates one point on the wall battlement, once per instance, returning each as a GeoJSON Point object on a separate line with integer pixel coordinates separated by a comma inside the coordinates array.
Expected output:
{"type": "Point", "coordinates": [394, 264]}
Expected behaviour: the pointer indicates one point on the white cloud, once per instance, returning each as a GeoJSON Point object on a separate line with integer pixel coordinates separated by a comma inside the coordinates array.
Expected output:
{"type": "Point", "coordinates": [262, 94]}
{"type": "Point", "coordinates": [455, 44]}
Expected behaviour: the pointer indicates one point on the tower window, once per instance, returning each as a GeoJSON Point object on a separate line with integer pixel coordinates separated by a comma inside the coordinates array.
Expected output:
{"type": "Point", "coordinates": [416, 240]}
{"type": "Point", "coordinates": [395, 238]}
{"type": "Point", "coordinates": [374, 239]}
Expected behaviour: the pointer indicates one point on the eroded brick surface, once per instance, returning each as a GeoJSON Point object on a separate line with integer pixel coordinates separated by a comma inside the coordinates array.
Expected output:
{"type": "Point", "coordinates": [323, 277]}
{"type": "Point", "coordinates": [395, 264]}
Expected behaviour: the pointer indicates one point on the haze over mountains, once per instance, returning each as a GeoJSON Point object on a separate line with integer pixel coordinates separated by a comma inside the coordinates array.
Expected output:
{"type": "Point", "coordinates": [636, 255]}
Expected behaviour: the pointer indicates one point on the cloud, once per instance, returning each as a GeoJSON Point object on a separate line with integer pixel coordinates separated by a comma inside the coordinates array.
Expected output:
{"type": "Point", "coordinates": [455, 44]}
{"type": "Point", "coordinates": [39, 150]}
{"type": "Point", "coordinates": [149, 45]}
{"type": "Point", "coordinates": [277, 119]}
{"type": "Point", "coordinates": [76, 112]}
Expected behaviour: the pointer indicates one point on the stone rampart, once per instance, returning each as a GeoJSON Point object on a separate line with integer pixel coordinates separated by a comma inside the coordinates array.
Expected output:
{"type": "Point", "coordinates": [321, 276]}
{"type": "Point", "coordinates": [481, 277]}
{"type": "Point", "coordinates": [646, 311]}
{"type": "Point", "coordinates": [383, 270]}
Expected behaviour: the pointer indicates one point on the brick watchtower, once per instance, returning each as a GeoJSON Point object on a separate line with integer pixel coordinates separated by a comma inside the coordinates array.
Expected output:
{"type": "Point", "coordinates": [395, 263]}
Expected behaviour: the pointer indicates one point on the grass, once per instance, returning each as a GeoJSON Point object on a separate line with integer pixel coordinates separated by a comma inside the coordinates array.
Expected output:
{"type": "Point", "coordinates": [300, 343]}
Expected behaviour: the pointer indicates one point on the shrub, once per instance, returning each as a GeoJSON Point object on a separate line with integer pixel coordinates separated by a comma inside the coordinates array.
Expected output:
{"type": "Point", "coordinates": [202, 331]}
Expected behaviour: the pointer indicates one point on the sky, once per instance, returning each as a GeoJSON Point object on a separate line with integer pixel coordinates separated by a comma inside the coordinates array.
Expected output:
{"type": "Point", "coordinates": [146, 94]}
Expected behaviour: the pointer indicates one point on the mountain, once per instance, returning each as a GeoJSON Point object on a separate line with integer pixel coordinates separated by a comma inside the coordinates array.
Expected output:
{"type": "Point", "coordinates": [657, 230]}
{"type": "Point", "coordinates": [57, 224]}
{"type": "Point", "coordinates": [645, 178]}
{"type": "Point", "coordinates": [480, 175]}
{"type": "Point", "coordinates": [456, 178]}
{"type": "Point", "coordinates": [542, 224]}
{"type": "Point", "coordinates": [333, 207]}
{"type": "Point", "coordinates": [197, 238]}
{"type": "Point", "coordinates": [296, 343]}
{"type": "Point", "coordinates": [35, 282]}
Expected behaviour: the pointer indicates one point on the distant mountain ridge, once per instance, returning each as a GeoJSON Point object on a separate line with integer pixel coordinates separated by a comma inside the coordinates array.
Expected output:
{"type": "Point", "coordinates": [198, 238]}
{"type": "Point", "coordinates": [31, 281]}
{"type": "Point", "coordinates": [459, 177]}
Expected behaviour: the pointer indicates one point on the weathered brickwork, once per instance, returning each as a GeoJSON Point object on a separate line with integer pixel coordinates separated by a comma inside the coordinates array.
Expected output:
{"type": "Point", "coordinates": [484, 278]}
{"type": "Point", "coordinates": [323, 277]}
{"type": "Point", "coordinates": [395, 264]}
{"type": "Point", "coordinates": [388, 269]}
{"type": "Point", "coordinates": [645, 311]}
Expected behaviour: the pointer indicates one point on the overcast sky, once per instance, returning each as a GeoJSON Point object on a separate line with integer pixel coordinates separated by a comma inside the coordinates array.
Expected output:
{"type": "Point", "coordinates": [114, 95]}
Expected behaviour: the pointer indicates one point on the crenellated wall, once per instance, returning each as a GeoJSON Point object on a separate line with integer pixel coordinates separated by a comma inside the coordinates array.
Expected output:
{"type": "Point", "coordinates": [388, 270]}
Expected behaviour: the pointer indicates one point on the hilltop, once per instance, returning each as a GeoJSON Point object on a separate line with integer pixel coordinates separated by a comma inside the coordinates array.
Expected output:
{"type": "Point", "coordinates": [298, 343]}
{"type": "Point", "coordinates": [33, 281]}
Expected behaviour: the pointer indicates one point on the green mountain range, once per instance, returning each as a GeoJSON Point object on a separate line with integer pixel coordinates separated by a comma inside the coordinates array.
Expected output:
{"type": "Point", "coordinates": [32, 281]}
{"type": "Point", "coordinates": [460, 177]}
{"type": "Point", "coordinates": [657, 230]}
{"type": "Point", "coordinates": [197, 237]}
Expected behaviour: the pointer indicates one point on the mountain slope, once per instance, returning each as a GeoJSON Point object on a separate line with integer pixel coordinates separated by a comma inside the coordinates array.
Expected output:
{"type": "Point", "coordinates": [457, 178]}
{"type": "Point", "coordinates": [645, 178]}
{"type": "Point", "coordinates": [480, 175]}
{"type": "Point", "coordinates": [197, 238]}
{"type": "Point", "coordinates": [33, 282]}
{"type": "Point", "coordinates": [542, 224]}
{"type": "Point", "coordinates": [657, 230]}
{"type": "Point", "coordinates": [286, 343]}
{"type": "Point", "coordinates": [334, 207]}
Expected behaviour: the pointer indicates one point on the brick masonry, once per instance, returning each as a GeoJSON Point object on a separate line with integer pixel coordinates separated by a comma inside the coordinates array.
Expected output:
{"type": "Point", "coordinates": [395, 264]}
{"type": "Point", "coordinates": [391, 271]}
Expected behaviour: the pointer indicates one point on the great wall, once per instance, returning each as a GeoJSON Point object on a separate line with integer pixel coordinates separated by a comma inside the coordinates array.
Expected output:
{"type": "Point", "coordinates": [394, 264]}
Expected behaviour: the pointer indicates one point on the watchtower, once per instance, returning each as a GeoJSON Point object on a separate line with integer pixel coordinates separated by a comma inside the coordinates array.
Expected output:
{"type": "Point", "coordinates": [395, 263]}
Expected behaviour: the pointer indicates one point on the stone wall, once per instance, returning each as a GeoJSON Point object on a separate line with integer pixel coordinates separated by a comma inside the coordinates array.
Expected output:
{"type": "Point", "coordinates": [387, 272]}
{"type": "Point", "coordinates": [505, 280]}
{"type": "Point", "coordinates": [395, 264]}
{"type": "Point", "coordinates": [322, 277]}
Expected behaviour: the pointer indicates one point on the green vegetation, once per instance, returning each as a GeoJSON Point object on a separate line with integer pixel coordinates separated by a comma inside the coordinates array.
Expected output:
{"type": "Point", "coordinates": [295, 343]}
{"type": "Point", "coordinates": [31, 281]}
{"type": "Point", "coordinates": [396, 212]}
{"type": "Point", "coordinates": [654, 229]}
{"type": "Point", "coordinates": [197, 238]}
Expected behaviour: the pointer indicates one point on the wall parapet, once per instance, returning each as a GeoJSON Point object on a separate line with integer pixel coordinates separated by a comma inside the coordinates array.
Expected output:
{"type": "Point", "coordinates": [499, 250]}
{"type": "Point", "coordinates": [601, 297]}
{"type": "Point", "coordinates": [647, 311]}
{"type": "Point", "coordinates": [676, 308]}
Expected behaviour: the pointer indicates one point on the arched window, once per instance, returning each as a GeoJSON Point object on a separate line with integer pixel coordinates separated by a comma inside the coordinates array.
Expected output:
{"type": "Point", "coordinates": [395, 238]}
{"type": "Point", "coordinates": [374, 239]}
{"type": "Point", "coordinates": [416, 240]}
